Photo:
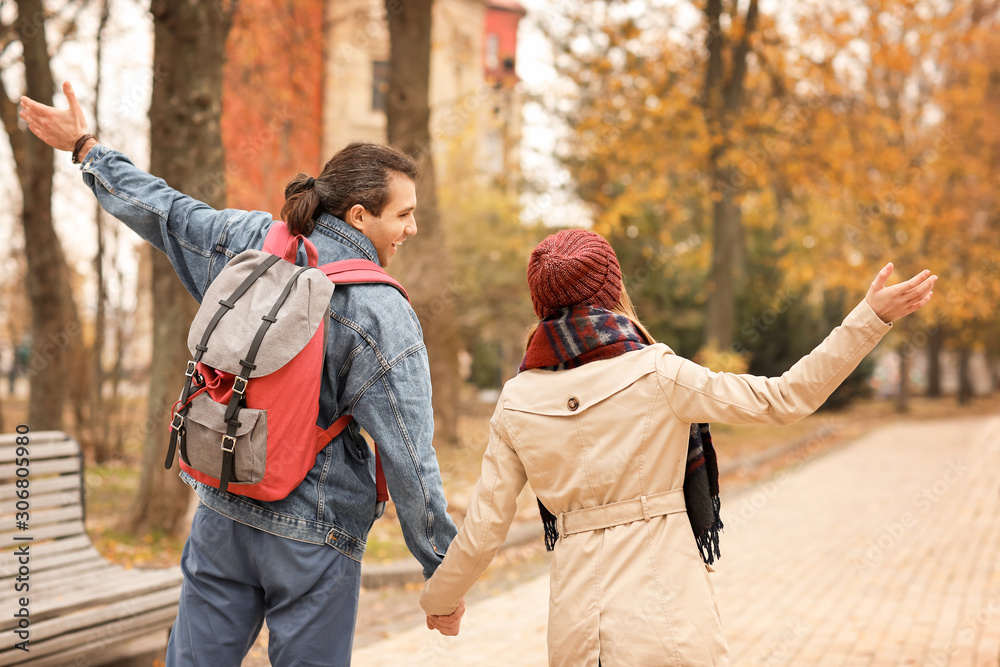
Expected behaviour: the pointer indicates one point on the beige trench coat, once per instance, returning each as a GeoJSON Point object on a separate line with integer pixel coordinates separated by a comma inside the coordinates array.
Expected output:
{"type": "Point", "coordinates": [636, 594]}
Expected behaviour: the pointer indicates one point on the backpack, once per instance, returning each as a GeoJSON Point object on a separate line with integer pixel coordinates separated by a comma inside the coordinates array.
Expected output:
{"type": "Point", "coordinates": [246, 420]}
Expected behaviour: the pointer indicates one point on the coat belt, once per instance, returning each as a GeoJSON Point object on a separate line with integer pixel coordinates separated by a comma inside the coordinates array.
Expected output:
{"type": "Point", "coordinates": [642, 508]}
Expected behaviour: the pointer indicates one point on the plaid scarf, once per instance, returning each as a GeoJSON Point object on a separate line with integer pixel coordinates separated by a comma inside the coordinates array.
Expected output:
{"type": "Point", "coordinates": [578, 335]}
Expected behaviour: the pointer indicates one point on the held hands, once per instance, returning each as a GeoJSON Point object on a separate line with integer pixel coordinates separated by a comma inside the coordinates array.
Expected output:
{"type": "Point", "coordinates": [447, 625]}
{"type": "Point", "coordinates": [59, 128]}
{"type": "Point", "coordinates": [892, 303]}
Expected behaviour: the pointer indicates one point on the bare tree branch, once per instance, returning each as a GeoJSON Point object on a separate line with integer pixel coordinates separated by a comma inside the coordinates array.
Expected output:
{"type": "Point", "coordinates": [734, 91]}
{"type": "Point", "coordinates": [6, 30]}
{"type": "Point", "coordinates": [72, 23]}
{"type": "Point", "coordinates": [8, 111]}
{"type": "Point", "coordinates": [778, 87]}
{"type": "Point", "coordinates": [714, 42]}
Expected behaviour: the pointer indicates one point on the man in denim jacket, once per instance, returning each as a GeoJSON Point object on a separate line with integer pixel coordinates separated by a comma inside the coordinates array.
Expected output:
{"type": "Point", "coordinates": [296, 562]}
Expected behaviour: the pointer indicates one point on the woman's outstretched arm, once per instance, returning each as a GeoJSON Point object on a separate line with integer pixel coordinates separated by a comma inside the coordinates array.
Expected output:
{"type": "Point", "coordinates": [696, 394]}
{"type": "Point", "coordinates": [197, 238]}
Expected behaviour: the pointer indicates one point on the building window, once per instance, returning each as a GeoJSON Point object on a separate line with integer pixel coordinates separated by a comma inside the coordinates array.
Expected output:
{"type": "Point", "coordinates": [380, 84]}
{"type": "Point", "coordinates": [492, 51]}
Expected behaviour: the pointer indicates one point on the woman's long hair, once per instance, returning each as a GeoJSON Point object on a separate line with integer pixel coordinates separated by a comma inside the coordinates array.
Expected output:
{"type": "Point", "coordinates": [358, 174]}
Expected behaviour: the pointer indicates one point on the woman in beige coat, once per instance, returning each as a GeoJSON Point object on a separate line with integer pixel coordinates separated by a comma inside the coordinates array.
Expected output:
{"type": "Point", "coordinates": [603, 441]}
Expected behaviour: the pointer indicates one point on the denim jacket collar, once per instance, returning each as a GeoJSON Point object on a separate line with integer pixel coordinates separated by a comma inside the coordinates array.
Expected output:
{"type": "Point", "coordinates": [339, 230]}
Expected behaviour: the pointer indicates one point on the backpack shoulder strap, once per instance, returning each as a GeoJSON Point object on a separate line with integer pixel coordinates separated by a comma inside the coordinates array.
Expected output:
{"type": "Point", "coordinates": [356, 271]}
{"type": "Point", "coordinates": [281, 242]}
{"type": "Point", "coordinates": [324, 436]}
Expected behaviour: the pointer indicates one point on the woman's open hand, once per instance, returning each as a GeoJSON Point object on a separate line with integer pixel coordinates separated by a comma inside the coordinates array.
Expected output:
{"type": "Point", "coordinates": [892, 303]}
{"type": "Point", "coordinates": [59, 128]}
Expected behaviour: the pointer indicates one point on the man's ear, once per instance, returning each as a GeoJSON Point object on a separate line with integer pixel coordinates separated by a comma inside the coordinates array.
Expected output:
{"type": "Point", "coordinates": [356, 217]}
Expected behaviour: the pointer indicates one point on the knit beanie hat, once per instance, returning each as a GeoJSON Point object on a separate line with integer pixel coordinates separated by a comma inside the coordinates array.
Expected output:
{"type": "Point", "coordinates": [573, 268]}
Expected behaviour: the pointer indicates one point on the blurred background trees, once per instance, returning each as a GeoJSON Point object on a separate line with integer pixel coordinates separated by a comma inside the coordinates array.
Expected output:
{"type": "Point", "coordinates": [55, 333]}
{"type": "Point", "coordinates": [795, 153]}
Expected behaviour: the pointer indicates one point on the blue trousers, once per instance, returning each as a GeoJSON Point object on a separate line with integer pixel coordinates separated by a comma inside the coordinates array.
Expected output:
{"type": "Point", "coordinates": [236, 576]}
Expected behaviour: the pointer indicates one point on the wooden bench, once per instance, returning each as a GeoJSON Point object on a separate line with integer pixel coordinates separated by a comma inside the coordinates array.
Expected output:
{"type": "Point", "coordinates": [82, 610]}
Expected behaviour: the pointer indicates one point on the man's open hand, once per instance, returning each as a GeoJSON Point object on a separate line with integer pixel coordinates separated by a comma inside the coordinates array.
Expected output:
{"type": "Point", "coordinates": [59, 128]}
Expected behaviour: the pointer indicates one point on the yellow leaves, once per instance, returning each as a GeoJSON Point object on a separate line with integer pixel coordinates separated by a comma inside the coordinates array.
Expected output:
{"type": "Point", "coordinates": [880, 147]}
{"type": "Point", "coordinates": [728, 361]}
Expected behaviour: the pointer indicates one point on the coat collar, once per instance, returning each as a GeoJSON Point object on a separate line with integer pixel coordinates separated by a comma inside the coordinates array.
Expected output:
{"type": "Point", "coordinates": [342, 232]}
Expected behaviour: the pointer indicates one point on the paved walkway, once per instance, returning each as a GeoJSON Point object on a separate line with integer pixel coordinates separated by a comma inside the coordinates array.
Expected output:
{"type": "Point", "coordinates": [883, 552]}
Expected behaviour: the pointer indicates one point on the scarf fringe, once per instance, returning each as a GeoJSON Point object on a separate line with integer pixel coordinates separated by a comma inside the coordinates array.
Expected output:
{"type": "Point", "coordinates": [549, 522]}
{"type": "Point", "coordinates": [708, 541]}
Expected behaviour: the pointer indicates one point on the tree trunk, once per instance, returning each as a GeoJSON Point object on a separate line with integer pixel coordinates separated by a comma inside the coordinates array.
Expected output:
{"type": "Point", "coordinates": [723, 103]}
{"type": "Point", "coordinates": [965, 391]}
{"type": "Point", "coordinates": [726, 236]}
{"type": "Point", "coordinates": [99, 419]}
{"type": "Point", "coordinates": [425, 269]}
{"type": "Point", "coordinates": [991, 363]}
{"type": "Point", "coordinates": [903, 397]}
{"type": "Point", "coordinates": [116, 428]}
{"type": "Point", "coordinates": [55, 328]}
{"type": "Point", "coordinates": [185, 150]}
{"type": "Point", "coordinates": [935, 345]}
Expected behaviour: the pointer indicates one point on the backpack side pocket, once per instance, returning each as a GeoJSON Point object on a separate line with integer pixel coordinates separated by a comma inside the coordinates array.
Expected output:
{"type": "Point", "coordinates": [203, 451]}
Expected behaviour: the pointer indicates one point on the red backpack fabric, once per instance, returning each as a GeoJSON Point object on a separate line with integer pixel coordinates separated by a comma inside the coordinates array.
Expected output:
{"type": "Point", "coordinates": [246, 419]}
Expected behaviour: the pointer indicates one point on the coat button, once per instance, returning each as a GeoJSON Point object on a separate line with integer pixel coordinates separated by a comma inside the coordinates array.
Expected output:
{"type": "Point", "coordinates": [572, 403]}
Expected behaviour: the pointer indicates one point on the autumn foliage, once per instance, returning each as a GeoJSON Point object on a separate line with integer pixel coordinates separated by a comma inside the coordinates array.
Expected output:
{"type": "Point", "coordinates": [842, 136]}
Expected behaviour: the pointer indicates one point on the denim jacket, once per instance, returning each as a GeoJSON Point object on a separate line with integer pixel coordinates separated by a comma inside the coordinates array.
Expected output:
{"type": "Point", "coordinates": [376, 370]}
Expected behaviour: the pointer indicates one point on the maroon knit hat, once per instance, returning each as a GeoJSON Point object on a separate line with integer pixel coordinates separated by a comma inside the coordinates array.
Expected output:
{"type": "Point", "coordinates": [573, 268]}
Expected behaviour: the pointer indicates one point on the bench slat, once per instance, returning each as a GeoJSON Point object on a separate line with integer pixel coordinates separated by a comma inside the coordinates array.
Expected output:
{"type": "Point", "coordinates": [89, 618]}
{"type": "Point", "coordinates": [69, 576]}
{"type": "Point", "coordinates": [51, 547]}
{"type": "Point", "coordinates": [8, 471]}
{"type": "Point", "coordinates": [45, 517]}
{"type": "Point", "coordinates": [101, 590]}
{"type": "Point", "coordinates": [42, 486]}
{"type": "Point", "coordinates": [41, 451]}
{"type": "Point", "coordinates": [36, 437]}
{"type": "Point", "coordinates": [93, 642]}
{"type": "Point", "coordinates": [38, 502]}
{"type": "Point", "coordinates": [46, 562]}
{"type": "Point", "coordinates": [53, 530]}
{"type": "Point", "coordinates": [10, 564]}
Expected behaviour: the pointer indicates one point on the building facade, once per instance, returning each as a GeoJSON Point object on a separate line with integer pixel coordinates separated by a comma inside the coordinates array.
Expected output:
{"type": "Point", "coordinates": [474, 94]}
{"type": "Point", "coordinates": [305, 78]}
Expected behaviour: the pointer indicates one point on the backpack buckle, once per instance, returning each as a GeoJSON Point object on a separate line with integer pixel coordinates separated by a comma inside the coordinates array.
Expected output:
{"type": "Point", "coordinates": [177, 422]}
{"type": "Point", "coordinates": [239, 385]}
{"type": "Point", "coordinates": [190, 368]}
{"type": "Point", "coordinates": [231, 441]}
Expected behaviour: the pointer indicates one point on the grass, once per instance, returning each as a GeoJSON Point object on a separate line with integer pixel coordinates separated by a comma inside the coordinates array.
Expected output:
{"type": "Point", "coordinates": [110, 488]}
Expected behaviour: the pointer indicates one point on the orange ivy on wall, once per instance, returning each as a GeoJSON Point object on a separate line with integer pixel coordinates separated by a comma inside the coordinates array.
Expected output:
{"type": "Point", "coordinates": [272, 99]}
